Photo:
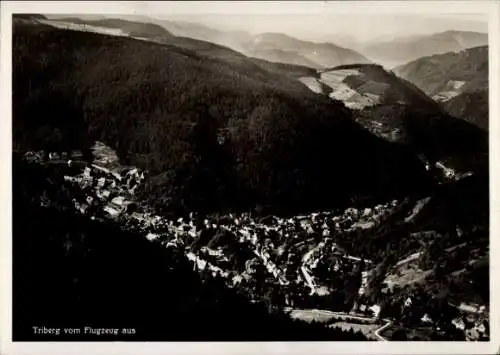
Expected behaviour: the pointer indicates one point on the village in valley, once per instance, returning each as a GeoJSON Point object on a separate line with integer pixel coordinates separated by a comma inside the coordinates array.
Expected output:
{"type": "Point", "coordinates": [291, 260]}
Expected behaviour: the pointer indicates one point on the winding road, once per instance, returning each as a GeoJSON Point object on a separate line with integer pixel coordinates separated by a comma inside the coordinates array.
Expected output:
{"type": "Point", "coordinates": [377, 332]}
{"type": "Point", "coordinates": [347, 317]}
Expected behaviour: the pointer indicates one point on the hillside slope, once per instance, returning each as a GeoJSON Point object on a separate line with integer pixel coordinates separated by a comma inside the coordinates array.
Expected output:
{"type": "Point", "coordinates": [404, 50]}
{"type": "Point", "coordinates": [211, 134]}
{"type": "Point", "coordinates": [323, 54]}
{"type": "Point", "coordinates": [189, 36]}
{"type": "Point", "coordinates": [398, 111]}
{"type": "Point", "coordinates": [98, 275]}
{"type": "Point", "coordinates": [130, 28]}
{"type": "Point", "coordinates": [458, 80]}
{"type": "Point", "coordinates": [473, 107]}
{"type": "Point", "coordinates": [232, 39]}
{"type": "Point", "coordinates": [272, 47]}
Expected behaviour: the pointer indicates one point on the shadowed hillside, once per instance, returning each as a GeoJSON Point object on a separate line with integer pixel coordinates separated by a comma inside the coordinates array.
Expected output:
{"type": "Point", "coordinates": [80, 272]}
{"type": "Point", "coordinates": [132, 28]}
{"type": "Point", "coordinates": [459, 81]}
{"type": "Point", "coordinates": [283, 48]}
{"type": "Point", "coordinates": [211, 134]}
{"type": "Point", "coordinates": [399, 111]}
{"type": "Point", "coordinates": [201, 43]}
{"type": "Point", "coordinates": [274, 47]}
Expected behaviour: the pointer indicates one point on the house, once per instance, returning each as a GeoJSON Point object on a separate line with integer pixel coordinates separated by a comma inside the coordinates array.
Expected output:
{"type": "Point", "coordinates": [375, 310]}
{"type": "Point", "coordinates": [152, 236]}
{"type": "Point", "coordinates": [481, 328]}
{"type": "Point", "coordinates": [137, 216]}
{"type": "Point", "coordinates": [426, 319]}
{"type": "Point", "coordinates": [472, 334]}
{"type": "Point", "coordinates": [118, 201]}
{"type": "Point", "coordinates": [54, 156]}
{"type": "Point", "coordinates": [86, 173]}
{"type": "Point", "coordinates": [237, 280]}
{"type": "Point", "coordinates": [69, 178]}
{"type": "Point", "coordinates": [113, 212]}
{"type": "Point", "coordinates": [132, 172]}
{"type": "Point", "coordinates": [471, 308]}
{"type": "Point", "coordinates": [117, 176]}
{"type": "Point", "coordinates": [458, 323]}
{"type": "Point", "coordinates": [101, 182]}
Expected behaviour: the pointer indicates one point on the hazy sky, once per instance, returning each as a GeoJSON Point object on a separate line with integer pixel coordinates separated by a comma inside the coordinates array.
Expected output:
{"type": "Point", "coordinates": [361, 20]}
{"type": "Point", "coordinates": [361, 27]}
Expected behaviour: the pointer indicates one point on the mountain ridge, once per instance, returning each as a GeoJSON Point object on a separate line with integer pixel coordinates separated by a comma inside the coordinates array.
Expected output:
{"type": "Point", "coordinates": [399, 51]}
{"type": "Point", "coordinates": [458, 80]}
{"type": "Point", "coordinates": [251, 113]}
{"type": "Point", "coordinates": [318, 55]}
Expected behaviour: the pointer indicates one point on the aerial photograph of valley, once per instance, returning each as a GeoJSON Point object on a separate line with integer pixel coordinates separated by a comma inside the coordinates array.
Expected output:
{"type": "Point", "coordinates": [250, 177]}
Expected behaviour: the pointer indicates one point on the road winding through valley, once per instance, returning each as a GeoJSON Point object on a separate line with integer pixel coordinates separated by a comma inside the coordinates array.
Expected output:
{"type": "Point", "coordinates": [346, 317]}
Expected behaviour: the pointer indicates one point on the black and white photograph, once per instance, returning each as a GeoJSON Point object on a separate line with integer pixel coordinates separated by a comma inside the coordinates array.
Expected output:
{"type": "Point", "coordinates": [213, 176]}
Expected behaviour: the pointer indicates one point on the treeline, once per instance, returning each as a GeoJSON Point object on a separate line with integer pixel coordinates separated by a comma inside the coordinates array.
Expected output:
{"type": "Point", "coordinates": [212, 135]}
{"type": "Point", "coordinates": [434, 74]}
{"type": "Point", "coordinates": [420, 122]}
{"type": "Point", "coordinates": [434, 133]}
{"type": "Point", "coordinates": [472, 107]}
{"type": "Point", "coordinates": [451, 232]}
{"type": "Point", "coordinates": [70, 271]}
{"type": "Point", "coordinates": [133, 28]}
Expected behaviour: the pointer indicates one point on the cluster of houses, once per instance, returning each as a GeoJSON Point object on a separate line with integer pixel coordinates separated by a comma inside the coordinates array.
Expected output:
{"type": "Point", "coordinates": [473, 321]}
{"type": "Point", "coordinates": [309, 239]}
{"type": "Point", "coordinates": [43, 156]}
{"type": "Point", "coordinates": [311, 235]}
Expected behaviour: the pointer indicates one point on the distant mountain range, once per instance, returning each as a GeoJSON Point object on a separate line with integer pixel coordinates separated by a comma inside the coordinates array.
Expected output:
{"type": "Point", "coordinates": [322, 55]}
{"type": "Point", "coordinates": [459, 80]}
{"type": "Point", "coordinates": [403, 50]}
{"type": "Point", "coordinates": [274, 47]}
{"type": "Point", "coordinates": [366, 88]}
{"type": "Point", "coordinates": [282, 48]}
{"type": "Point", "coordinates": [164, 108]}
{"type": "Point", "coordinates": [245, 154]}
{"type": "Point", "coordinates": [158, 34]}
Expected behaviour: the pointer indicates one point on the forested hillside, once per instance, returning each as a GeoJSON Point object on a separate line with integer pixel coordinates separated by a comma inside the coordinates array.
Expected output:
{"type": "Point", "coordinates": [190, 192]}
{"type": "Point", "coordinates": [397, 110]}
{"type": "Point", "coordinates": [458, 80]}
{"type": "Point", "coordinates": [71, 271]}
{"type": "Point", "coordinates": [402, 50]}
{"type": "Point", "coordinates": [210, 134]}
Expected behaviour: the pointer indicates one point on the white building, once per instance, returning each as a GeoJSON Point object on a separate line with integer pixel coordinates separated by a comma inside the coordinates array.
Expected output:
{"type": "Point", "coordinates": [152, 236]}
{"type": "Point", "coordinates": [111, 211]}
{"type": "Point", "coordinates": [101, 182]}
{"type": "Point", "coordinates": [119, 201]}
{"type": "Point", "coordinates": [458, 323]}
{"type": "Point", "coordinates": [375, 309]}
{"type": "Point", "coordinates": [426, 319]}
{"type": "Point", "coordinates": [481, 328]}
